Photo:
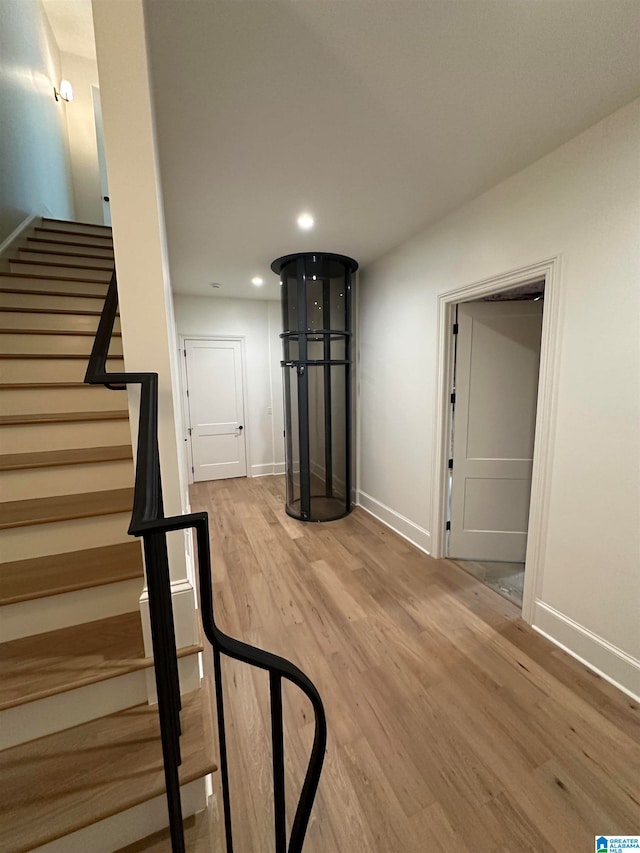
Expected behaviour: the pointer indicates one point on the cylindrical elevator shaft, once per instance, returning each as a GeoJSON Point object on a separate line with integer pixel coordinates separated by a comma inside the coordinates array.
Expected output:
{"type": "Point", "coordinates": [317, 337]}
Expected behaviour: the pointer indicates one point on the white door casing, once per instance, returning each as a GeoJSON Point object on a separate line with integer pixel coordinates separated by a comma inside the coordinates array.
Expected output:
{"type": "Point", "coordinates": [497, 367]}
{"type": "Point", "coordinates": [215, 408]}
{"type": "Point", "coordinates": [102, 160]}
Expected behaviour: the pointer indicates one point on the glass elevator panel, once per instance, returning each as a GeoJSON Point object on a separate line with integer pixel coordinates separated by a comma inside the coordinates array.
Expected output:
{"type": "Point", "coordinates": [316, 338]}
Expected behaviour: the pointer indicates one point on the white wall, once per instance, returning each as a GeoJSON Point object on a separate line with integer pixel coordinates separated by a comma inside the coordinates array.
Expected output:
{"type": "Point", "coordinates": [258, 323]}
{"type": "Point", "coordinates": [582, 202]}
{"type": "Point", "coordinates": [83, 149]}
{"type": "Point", "coordinates": [35, 174]}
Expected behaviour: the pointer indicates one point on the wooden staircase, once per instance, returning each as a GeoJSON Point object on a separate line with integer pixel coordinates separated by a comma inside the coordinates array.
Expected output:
{"type": "Point", "coordinates": [81, 761]}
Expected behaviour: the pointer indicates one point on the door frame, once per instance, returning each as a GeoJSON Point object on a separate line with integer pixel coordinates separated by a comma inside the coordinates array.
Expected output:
{"type": "Point", "coordinates": [549, 270]}
{"type": "Point", "coordinates": [100, 153]}
{"type": "Point", "coordinates": [185, 400]}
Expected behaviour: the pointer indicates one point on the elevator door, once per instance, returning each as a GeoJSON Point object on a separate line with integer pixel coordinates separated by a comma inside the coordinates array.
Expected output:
{"type": "Point", "coordinates": [216, 410]}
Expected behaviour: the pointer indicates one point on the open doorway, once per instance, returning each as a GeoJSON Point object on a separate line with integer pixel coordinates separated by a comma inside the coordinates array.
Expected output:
{"type": "Point", "coordinates": [493, 416]}
{"type": "Point", "coordinates": [538, 284]}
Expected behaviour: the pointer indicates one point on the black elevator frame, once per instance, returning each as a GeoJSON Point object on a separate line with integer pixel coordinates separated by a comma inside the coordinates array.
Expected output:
{"type": "Point", "coordinates": [298, 272]}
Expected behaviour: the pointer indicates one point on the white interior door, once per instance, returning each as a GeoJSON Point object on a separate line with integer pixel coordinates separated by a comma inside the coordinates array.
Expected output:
{"type": "Point", "coordinates": [497, 366]}
{"type": "Point", "coordinates": [216, 409]}
{"type": "Point", "coordinates": [102, 160]}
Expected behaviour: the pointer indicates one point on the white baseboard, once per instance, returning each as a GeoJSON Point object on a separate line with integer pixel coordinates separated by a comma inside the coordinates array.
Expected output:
{"type": "Point", "coordinates": [400, 524]}
{"type": "Point", "coordinates": [8, 243]}
{"type": "Point", "coordinates": [129, 826]}
{"type": "Point", "coordinates": [267, 469]}
{"type": "Point", "coordinates": [606, 660]}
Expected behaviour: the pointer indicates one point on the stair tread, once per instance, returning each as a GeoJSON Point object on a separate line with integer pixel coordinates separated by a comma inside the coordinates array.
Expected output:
{"type": "Point", "coordinates": [13, 386]}
{"type": "Point", "coordinates": [39, 577]}
{"type": "Point", "coordinates": [75, 254]}
{"type": "Point", "coordinates": [66, 293]}
{"type": "Point", "coordinates": [46, 664]}
{"type": "Point", "coordinates": [73, 222]}
{"type": "Point", "coordinates": [64, 507]}
{"type": "Point", "coordinates": [21, 309]}
{"type": "Point", "coordinates": [49, 229]}
{"type": "Point", "coordinates": [62, 266]}
{"type": "Point", "coordinates": [65, 278]}
{"type": "Point", "coordinates": [64, 417]}
{"type": "Point", "coordinates": [46, 356]}
{"type": "Point", "coordinates": [55, 458]}
{"type": "Point", "coordinates": [40, 240]}
{"type": "Point", "coordinates": [73, 332]}
{"type": "Point", "coordinates": [101, 768]}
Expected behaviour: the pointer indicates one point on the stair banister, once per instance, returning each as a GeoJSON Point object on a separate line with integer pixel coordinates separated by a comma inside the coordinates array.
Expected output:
{"type": "Point", "coordinates": [149, 522]}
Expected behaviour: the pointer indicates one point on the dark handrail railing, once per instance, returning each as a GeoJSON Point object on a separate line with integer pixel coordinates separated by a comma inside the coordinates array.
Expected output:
{"type": "Point", "coordinates": [149, 522]}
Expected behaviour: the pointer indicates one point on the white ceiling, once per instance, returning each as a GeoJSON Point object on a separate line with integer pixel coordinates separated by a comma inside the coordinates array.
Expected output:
{"type": "Point", "coordinates": [72, 25]}
{"type": "Point", "coordinates": [378, 116]}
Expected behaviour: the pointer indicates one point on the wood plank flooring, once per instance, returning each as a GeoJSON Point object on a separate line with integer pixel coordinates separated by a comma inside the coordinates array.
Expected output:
{"type": "Point", "coordinates": [452, 725]}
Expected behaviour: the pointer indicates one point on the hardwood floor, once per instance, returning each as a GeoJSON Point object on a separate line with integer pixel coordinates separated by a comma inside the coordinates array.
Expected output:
{"type": "Point", "coordinates": [505, 578]}
{"type": "Point", "coordinates": [452, 725]}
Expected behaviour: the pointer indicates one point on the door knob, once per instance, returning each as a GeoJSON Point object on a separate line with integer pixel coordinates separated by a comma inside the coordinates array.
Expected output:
{"type": "Point", "coordinates": [240, 427]}
{"type": "Point", "coordinates": [105, 198]}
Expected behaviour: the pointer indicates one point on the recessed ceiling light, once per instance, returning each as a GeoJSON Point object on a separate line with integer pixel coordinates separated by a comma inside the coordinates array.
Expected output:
{"type": "Point", "coordinates": [305, 221]}
{"type": "Point", "coordinates": [257, 281]}
{"type": "Point", "coordinates": [215, 285]}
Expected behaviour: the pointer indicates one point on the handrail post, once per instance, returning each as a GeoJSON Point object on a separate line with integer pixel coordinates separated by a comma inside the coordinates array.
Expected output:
{"type": "Point", "coordinates": [277, 741]}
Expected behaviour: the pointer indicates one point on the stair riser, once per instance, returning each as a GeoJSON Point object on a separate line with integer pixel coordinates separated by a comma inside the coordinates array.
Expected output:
{"type": "Point", "coordinates": [56, 713]}
{"type": "Point", "coordinates": [73, 259]}
{"type": "Point", "coordinates": [75, 228]}
{"type": "Point", "coordinates": [29, 438]}
{"type": "Point", "coordinates": [52, 344]}
{"type": "Point", "coordinates": [64, 286]}
{"type": "Point", "coordinates": [62, 322]}
{"type": "Point", "coordinates": [39, 540]}
{"type": "Point", "coordinates": [48, 370]}
{"type": "Point", "coordinates": [58, 246]}
{"type": "Point", "coordinates": [126, 827]}
{"type": "Point", "coordinates": [61, 271]}
{"type": "Point", "coordinates": [85, 398]}
{"type": "Point", "coordinates": [61, 236]}
{"type": "Point", "coordinates": [52, 303]}
{"type": "Point", "coordinates": [65, 480]}
{"type": "Point", "coordinates": [28, 618]}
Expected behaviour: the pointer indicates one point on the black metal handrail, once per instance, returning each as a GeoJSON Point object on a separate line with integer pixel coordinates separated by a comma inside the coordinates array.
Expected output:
{"type": "Point", "coordinates": [149, 522]}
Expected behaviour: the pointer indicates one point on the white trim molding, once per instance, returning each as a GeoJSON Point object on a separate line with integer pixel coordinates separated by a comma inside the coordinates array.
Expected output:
{"type": "Point", "coordinates": [549, 270]}
{"type": "Point", "coordinates": [183, 602]}
{"type": "Point", "coordinates": [266, 469]}
{"type": "Point", "coordinates": [9, 242]}
{"type": "Point", "coordinates": [597, 654]}
{"type": "Point", "coordinates": [400, 524]}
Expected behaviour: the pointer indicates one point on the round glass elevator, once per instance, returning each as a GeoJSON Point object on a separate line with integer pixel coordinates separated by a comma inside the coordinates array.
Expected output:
{"type": "Point", "coordinates": [316, 339]}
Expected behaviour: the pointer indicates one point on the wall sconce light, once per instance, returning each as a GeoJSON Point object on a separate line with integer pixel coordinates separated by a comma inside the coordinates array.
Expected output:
{"type": "Point", "coordinates": [65, 92]}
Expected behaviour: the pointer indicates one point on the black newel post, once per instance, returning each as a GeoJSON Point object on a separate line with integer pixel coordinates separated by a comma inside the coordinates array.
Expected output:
{"type": "Point", "coordinates": [316, 338]}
